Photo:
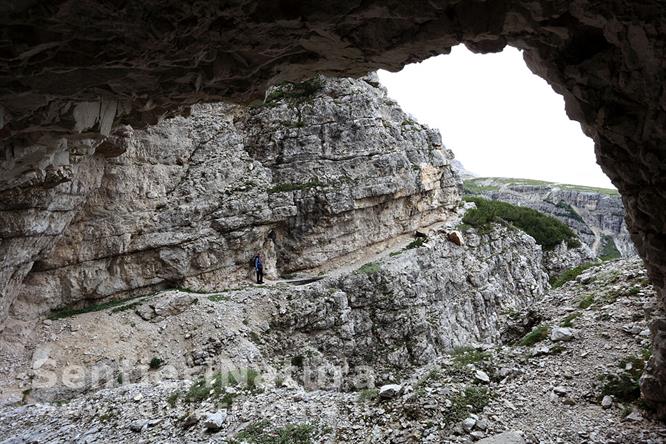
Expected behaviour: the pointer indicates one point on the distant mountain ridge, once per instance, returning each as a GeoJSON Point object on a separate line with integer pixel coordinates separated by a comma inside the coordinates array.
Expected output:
{"type": "Point", "coordinates": [596, 214]}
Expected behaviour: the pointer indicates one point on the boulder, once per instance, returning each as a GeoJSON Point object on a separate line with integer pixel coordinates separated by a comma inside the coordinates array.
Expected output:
{"type": "Point", "coordinates": [389, 391]}
{"type": "Point", "coordinates": [561, 334]}
{"type": "Point", "coordinates": [214, 421]}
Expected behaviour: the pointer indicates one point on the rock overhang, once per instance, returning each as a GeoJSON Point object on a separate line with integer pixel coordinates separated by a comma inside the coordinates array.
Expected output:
{"type": "Point", "coordinates": [72, 70]}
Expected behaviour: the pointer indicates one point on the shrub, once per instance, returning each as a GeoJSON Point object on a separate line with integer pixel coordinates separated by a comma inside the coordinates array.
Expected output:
{"type": "Point", "coordinates": [538, 334]}
{"type": "Point", "coordinates": [569, 275]}
{"type": "Point", "coordinates": [155, 363]}
{"type": "Point", "coordinates": [546, 231]}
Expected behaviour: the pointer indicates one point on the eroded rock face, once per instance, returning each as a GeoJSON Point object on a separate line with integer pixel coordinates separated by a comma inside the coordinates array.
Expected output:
{"type": "Point", "coordinates": [406, 310]}
{"type": "Point", "coordinates": [192, 199]}
{"type": "Point", "coordinates": [596, 215]}
{"type": "Point", "coordinates": [64, 76]}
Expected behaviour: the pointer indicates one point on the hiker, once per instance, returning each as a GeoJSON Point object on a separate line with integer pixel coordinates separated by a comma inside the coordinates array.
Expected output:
{"type": "Point", "coordinates": [259, 268]}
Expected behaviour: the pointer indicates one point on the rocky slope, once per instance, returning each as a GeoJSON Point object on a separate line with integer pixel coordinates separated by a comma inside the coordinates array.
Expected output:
{"type": "Point", "coordinates": [322, 169]}
{"type": "Point", "coordinates": [388, 316]}
{"type": "Point", "coordinates": [555, 387]}
{"type": "Point", "coordinates": [596, 214]}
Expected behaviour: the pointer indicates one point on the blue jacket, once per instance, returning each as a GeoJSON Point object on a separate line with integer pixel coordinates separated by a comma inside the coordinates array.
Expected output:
{"type": "Point", "coordinates": [257, 263]}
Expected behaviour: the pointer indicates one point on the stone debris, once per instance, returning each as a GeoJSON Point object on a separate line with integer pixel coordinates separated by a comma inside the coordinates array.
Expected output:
{"type": "Point", "coordinates": [389, 391]}
{"type": "Point", "coordinates": [561, 334]}
{"type": "Point", "coordinates": [215, 421]}
{"type": "Point", "coordinates": [486, 392]}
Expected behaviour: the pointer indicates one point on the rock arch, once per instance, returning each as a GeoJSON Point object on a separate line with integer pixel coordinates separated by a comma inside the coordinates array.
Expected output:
{"type": "Point", "coordinates": [71, 70]}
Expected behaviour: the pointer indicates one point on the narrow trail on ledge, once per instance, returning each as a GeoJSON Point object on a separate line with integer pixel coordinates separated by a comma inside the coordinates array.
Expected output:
{"type": "Point", "coordinates": [353, 261]}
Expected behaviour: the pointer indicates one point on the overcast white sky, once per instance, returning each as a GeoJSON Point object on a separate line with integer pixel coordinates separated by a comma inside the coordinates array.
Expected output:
{"type": "Point", "coordinates": [497, 117]}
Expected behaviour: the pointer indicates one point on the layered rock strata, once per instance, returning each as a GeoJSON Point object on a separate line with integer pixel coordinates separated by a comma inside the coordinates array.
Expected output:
{"type": "Point", "coordinates": [597, 216]}
{"type": "Point", "coordinates": [308, 176]}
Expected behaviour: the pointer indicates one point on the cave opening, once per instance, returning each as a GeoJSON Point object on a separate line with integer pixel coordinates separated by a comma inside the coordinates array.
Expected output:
{"type": "Point", "coordinates": [497, 117]}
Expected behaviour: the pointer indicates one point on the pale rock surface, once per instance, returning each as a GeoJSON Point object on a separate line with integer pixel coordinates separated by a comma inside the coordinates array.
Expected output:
{"type": "Point", "coordinates": [189, 201]}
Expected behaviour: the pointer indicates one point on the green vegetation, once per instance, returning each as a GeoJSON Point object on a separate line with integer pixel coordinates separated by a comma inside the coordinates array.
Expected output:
{"type": "Point", "coordinates": [203, 389]}
{"type": "Point", "coordinates": [369, 268]}
{"type": "Point", "coordinates": [569, 210]}
{"type": "Point", "coordinates": [538, 334]}
{"type": "Point", "coordinates": [546, 231]}
{"type": "Point", "coordinates": [568, 321]}
{"type": "Point", "coordinates": [569, 275]}
{"type": "Point", "coordinates": [218, 298]}
{"type": "Point", "coordinates": [368, 394]}
{"type": "Point", "coordinates": [284, 187]}
{"type": "Point", "coordinates": [624, 385]}
{"type": "Point", "coordinates": [608, 250]}
{"type": "Point", "coordinates": [155, 363]}
{"type": "Point", "coordinates": [69, 312]}
{"type": "Point", "coordinates": [294, 92]}
{"type": "Point", "coordinates": [173, 398]}
{"type": "Point", "coordinates": [260, 433]}
{"type": "Point", "coordinates": [586, 301]}
{"type": "Point", "coordinates": [416, 243]}
{"type": "Point", "coordinates": [472, 400]}
{"type": "Point", "coordinates": [130, 306]}
{"type": "Point", "coordinates": [499, 181]}
{"type": "Point", "coordinates": [463, 356]}
{"type": "Point", "coordinates": [472, 186]}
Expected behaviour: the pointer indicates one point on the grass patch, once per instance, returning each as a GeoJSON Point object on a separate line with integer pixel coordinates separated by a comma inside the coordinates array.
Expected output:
{"type": "Point", "coordinates": [416, 243]}
{"type": "Point", "coordinates": [260, 432]}
{"type": "Point", "coordinates": [126, 307]}
{"type": "Point", "coordinates": [203, 389]}
{"type": "Point", "coordinates": [472, 400]}
{"type": "Point", "coordinates": [368, 394]}
{"type": "Point", "coordinates": [538, 334]}
{"type": "Point", "coordinates": [565, 186]}
{"type": "Point", "coordinates": [624, 385]}
{"type": "Point", "coordinates": [571, 274]}
{"type": "Point", "coordinates": [284, 187]}
{"type": "Point", "coordinates": [68, 312]}
{"type": "Point", "coordinates": [546, 231]}
{"type": "Point", "coordinates": [369, 268]}
{"type": "Point", "coordinates": [218, 298]}
{"type": "Point", "coordinates": [172, 399]}
{"type": "Point", "coordinates": [568, 321]}
{"type": "Point", "coordinates": [462, 356]}
{"type": "Point", "coordinates": [472, 186]}
{"type": "Point", "coordinates": [586, 302]}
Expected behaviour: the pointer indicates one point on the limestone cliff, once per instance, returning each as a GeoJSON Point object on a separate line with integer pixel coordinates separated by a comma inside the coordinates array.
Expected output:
{"type": "Point", "coordinates": [595, 214]}
{"type": "Point", "coordinates": [320, 170]}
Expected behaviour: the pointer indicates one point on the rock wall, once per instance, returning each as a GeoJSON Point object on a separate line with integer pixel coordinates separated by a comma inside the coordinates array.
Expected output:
{"type": "Point", "coordinates": [596, 216]}
{"type": "Point", "coordinates": [408, 309]}
{"type": "Point", "coordinates": [192, 199]}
